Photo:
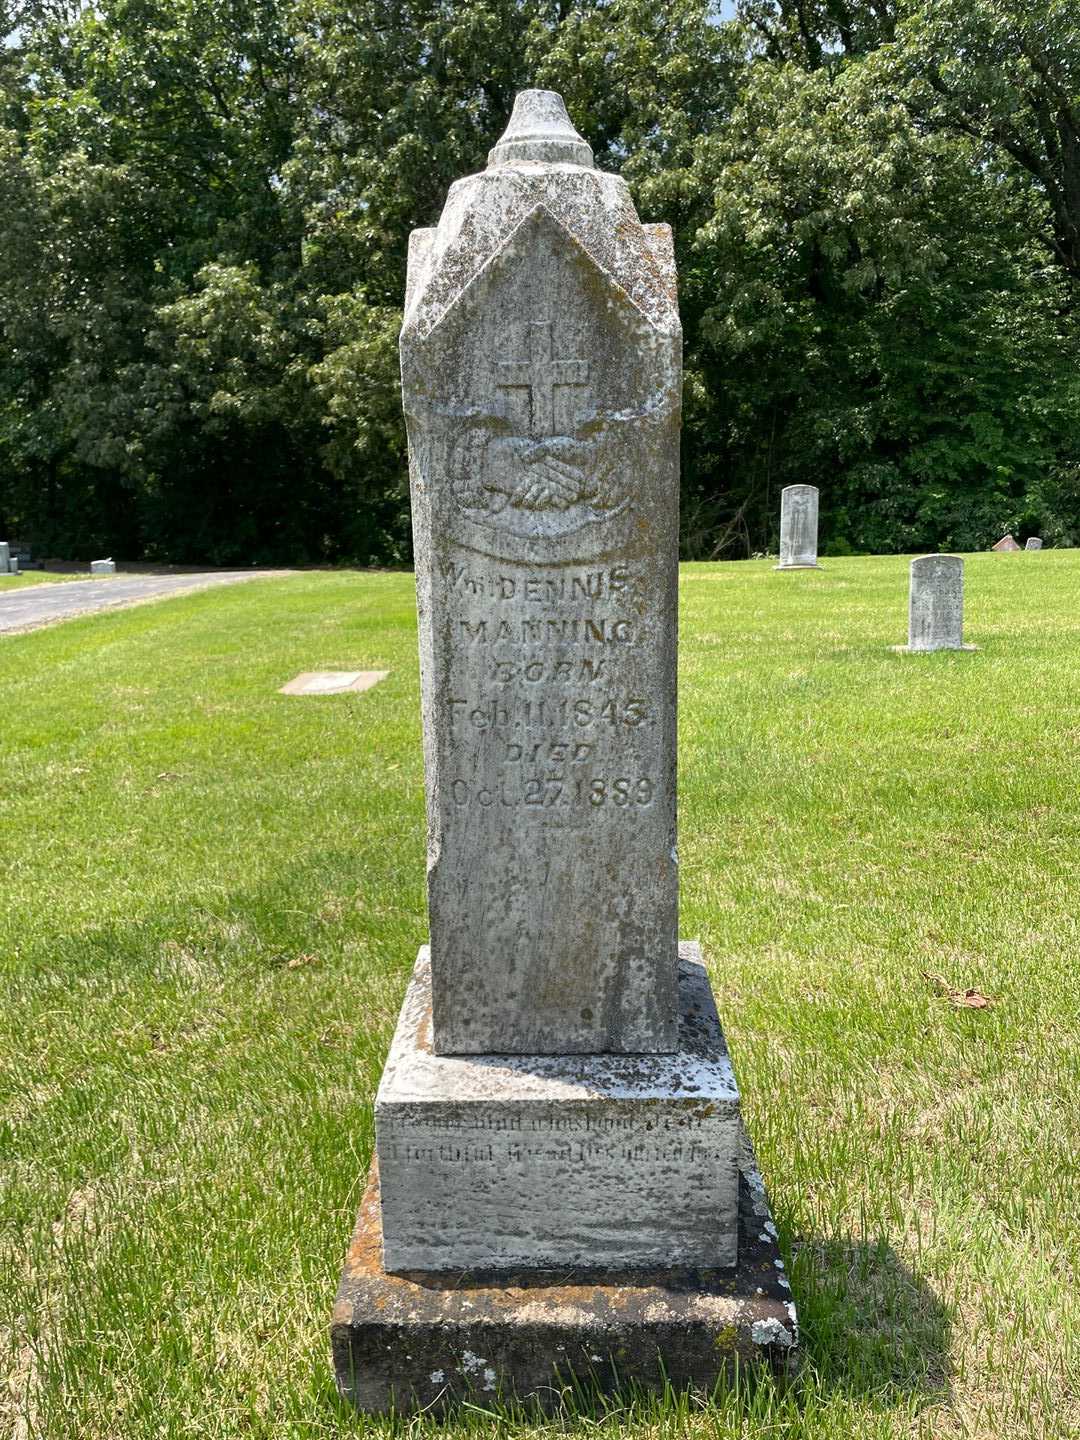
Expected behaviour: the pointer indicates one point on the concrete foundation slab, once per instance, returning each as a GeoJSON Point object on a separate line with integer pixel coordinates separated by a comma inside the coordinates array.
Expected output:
{"type": "Point", "coordinates": [927, 649]}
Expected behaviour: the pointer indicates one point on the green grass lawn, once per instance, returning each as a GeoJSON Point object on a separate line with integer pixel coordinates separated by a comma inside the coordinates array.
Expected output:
{"type": "Point", "coordinates": [37, 577]}
{"type": "Point", "coordinates": [211, 897]}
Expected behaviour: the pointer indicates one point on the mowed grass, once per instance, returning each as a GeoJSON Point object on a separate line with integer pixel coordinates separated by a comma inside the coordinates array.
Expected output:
{"type": "Point", "coordinates": [211, 897]}
{"type": "Point", "coordinates": [38, 577]}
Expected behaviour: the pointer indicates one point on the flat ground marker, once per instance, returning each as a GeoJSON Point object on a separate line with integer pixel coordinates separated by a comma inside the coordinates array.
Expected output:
{"type": "Point", "coordinates": [333, 682]}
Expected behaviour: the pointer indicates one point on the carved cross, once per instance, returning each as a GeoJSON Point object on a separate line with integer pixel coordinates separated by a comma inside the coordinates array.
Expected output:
{"type": "Point", "coordinates": [541, 376]}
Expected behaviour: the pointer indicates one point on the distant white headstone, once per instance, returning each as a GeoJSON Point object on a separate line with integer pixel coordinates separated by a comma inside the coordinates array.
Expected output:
{"type": "Point", "coordinates": [102, 567]}
{"type": "Point", "coordinates": [798, 528]}
{"type": "Point", "coordinates": [5, 557]}
{"type": "Point", "coordinates": [1033, 543]}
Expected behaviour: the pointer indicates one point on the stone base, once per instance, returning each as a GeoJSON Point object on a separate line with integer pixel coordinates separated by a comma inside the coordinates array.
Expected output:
{"type": "Point", "coordinates": [798, 567]}
{"type": "Point", "coordinates": [420, 1341]}
{"type": "Point", "coordinates": [510, 1162]}
{"type": "Point", "coordinates": [927, 649]}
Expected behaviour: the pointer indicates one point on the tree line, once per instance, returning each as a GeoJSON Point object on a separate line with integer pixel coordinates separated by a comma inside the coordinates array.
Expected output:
{"type": "Point", "coordinates": [204, 213]}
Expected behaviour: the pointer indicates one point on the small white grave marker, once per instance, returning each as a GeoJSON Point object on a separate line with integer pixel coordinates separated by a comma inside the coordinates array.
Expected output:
{"type": "Point", "coordinates": [798, 528]}
{"type": "Point", "coordinates": [333, 682]}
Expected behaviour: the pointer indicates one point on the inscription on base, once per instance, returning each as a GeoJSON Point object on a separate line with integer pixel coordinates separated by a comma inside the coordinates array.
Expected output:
{"type": "Point", "coordinates": [558, 1170]}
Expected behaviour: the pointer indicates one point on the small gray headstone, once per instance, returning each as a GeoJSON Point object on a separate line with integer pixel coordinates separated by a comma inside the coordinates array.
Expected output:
{"type": "Point", "coordinates": [798, 528]}
{"type": "Point", "coordinates": [102, 567]}
{"type": "Point", "coordinates": [333, 682]}
{"type": "Point", "coordinates": [936, 604]}
{"type": "Point", "coordinates": [5, 557]}
{"type": "Point", "coordinates": [1033, 542]}
{"type": "Point", "coordinates": [1005, 544]}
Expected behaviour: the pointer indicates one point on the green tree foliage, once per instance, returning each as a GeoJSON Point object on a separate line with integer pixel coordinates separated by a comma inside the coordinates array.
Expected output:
{"type": "Point", "coordinates": [1005, 77]}
{"type": "Point", "coordinates": [204, 212]}
{"type": "Point", "coordinates": [887, 304]}
{"type": "Point", "coordinates": [875, 319]}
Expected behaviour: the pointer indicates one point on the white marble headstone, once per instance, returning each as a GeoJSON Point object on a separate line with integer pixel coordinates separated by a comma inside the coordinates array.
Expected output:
{"type": "Point", "coordinates": [798, 528]}
{"type": "Point", "coordinates": [558, 1092]}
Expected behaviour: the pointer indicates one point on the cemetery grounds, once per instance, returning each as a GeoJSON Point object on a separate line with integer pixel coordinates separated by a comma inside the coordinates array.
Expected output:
{"type": "Point", "coordinates": [211, 897]}
{"type": "Point", "coordinates": [37, 577]}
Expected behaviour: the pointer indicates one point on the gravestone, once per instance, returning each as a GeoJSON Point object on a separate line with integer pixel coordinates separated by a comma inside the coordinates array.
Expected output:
{"type": "Point", "coordinates": [5, 557]}
{"type": "Point", "coordinates": [102, 567]}
{"type": "Point", "coordinates": [936, 604]}
{"type": "Point", "coordinates": [558, 1104]}
{"type": "Point", "coordinates": [1005, 544]}
{"type": "Point", "coordinates": [1033, 542]}
{"type": "Point", "coordinates": [798, 528]}
{"type": "Point", "coordinates": [541, 372]}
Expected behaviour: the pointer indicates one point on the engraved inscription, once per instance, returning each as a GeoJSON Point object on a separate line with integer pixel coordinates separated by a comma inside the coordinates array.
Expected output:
{"type": "Point", "coordinates": [542, 655]}
{"type": "Point", "coordinates": [549, 631]}
{"type": "Point", "coordinates": [571, 714]}
{"type": "Point", "coordinates": [534, 672]}
{"type": "Point", "coordinates": [617, 583]}
{"type": "Point", "coordinates": [690, 1137]}
{"type": "Point", "coordinates": [553, 753]}
{"type": "Point", "coordinates": [547, 791]}
{"type": "Point", "coordinates": [574, 1153]}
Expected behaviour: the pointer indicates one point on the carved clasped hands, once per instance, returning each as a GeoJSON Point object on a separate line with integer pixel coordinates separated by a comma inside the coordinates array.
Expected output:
{"type": "Point", "coordinates": [548, 473]}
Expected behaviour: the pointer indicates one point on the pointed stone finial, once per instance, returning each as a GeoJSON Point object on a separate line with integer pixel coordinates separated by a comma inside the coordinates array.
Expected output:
{"type": "Point", "coordinates": [540, 129]}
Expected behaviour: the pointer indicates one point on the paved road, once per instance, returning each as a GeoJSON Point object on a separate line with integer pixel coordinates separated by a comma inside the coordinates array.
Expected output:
{"type": "Point", "coordinates": [26, 609]}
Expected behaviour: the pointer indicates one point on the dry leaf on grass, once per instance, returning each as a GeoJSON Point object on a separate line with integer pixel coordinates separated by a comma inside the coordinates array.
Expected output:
{"type": "Point", "coordinates": [970, 999]}
{"type": "Point", "coordinates": [298, 961]}
{"type": "Point", "coordinates": [973, 999]}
